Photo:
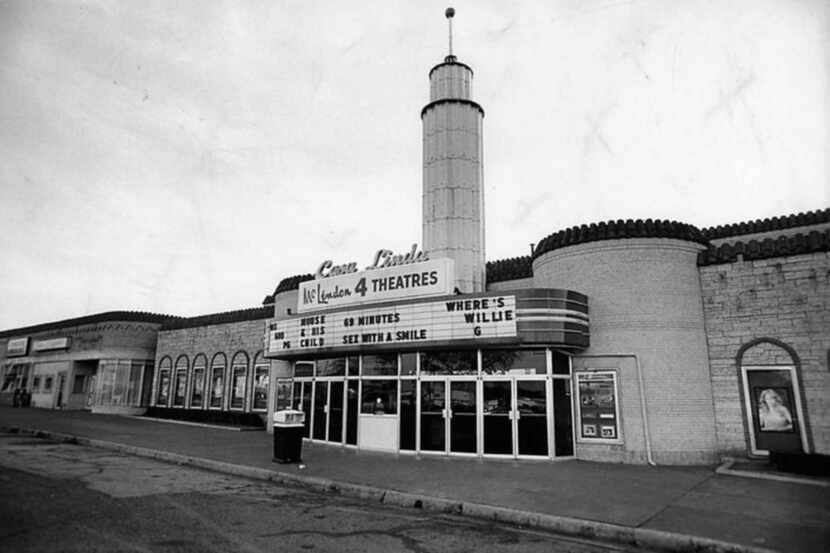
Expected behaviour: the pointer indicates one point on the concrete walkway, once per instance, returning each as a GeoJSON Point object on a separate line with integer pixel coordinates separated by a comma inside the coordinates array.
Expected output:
{"type": "Point", "coordinates": [663, 506]}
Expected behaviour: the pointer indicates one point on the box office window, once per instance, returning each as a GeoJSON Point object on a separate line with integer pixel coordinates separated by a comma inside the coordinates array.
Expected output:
{"type": "Point", "coordinates": [514, 361]}
{"type": "Point", "coordinates": [47, 384]}
{"type": "Point", "coordinates": [597, 406]}
{"type": "Point", "coordinates": [217, 381]}
{"type": "Point", "coordinates": [36, 384]}
{"type": "Point", "coordinates": [380, 365]}
{"type": "Point", "coordinates": [449, 362]}
{"type": "Point", "coordinates": [239, 380]}
{"type": "Point", "coordinates": [380, 397]}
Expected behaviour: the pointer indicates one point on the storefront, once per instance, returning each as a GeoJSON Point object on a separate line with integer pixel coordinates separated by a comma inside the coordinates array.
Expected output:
{"type": "Point", "coordinates": [103, 363]}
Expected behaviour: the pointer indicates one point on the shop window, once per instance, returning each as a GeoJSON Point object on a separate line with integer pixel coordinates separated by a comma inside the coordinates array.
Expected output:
{"type": "Point", "coordinates": [449, 362]}
{"type": "Point", "coordinates": [47, 385]}
{"type": "Point", "coordinates": [303, 369]}
{"type": "Point", "coordinates": [262, 384]}
{"type": "Point", "coordinates": [380, 365]}
{"type": "Point", "coordinates": [197, 389]}
{"type": "Point", "coordinates": [514, 361]}
{"type": "Point", "coordinates": [79, 384]}
{"type": "Point", "coordinates": [239, 372]}
{"type": "Point", "coordinates": [335, 366]}
{"type": "Point", "coordinates": [597, 406]}
{"type": "Point", "coordinates": [15, 378]}
{"type": "Point", "coordinates": [217, 380]}
{"type": "Point", "coordinates": [380, 397]}
{"type": "Point", "coordinates": [36, 384]}
{"type": "Point", "coordinates": [180, 381]}
{"type": "Point", "coordinates": [137, 371]}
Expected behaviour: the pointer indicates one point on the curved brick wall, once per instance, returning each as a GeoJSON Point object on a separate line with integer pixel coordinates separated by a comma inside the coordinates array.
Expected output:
{"type": "Point", "coordinates": [645, 299]}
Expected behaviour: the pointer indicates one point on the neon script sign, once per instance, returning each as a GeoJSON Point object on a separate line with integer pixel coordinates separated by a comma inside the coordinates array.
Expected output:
{"type": "Point", "coordinates": [382, 260]}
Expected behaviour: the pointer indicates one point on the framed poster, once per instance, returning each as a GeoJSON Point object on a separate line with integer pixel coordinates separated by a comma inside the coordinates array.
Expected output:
{"type": "Point", "coordinates": [597, 406]}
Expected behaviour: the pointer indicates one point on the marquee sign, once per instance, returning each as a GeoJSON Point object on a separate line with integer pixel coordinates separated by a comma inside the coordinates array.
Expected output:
{"type": "Point", "coordinates": [17, 347]}
{"type": "Point", "coordinates": [446, 320]}
{"type": "Point", "coordinates": [339, 286]}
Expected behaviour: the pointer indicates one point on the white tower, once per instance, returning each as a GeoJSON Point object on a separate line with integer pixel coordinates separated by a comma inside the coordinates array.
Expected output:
{"type": "Point", "coordinates": [453, 214]}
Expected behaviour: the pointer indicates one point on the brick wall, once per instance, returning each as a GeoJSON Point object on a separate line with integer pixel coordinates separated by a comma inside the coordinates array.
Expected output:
{"type": "Point", "coordinates": [786, 299]}
{"type": "Point", "coordinates": [228, 338]}
{"type": "Point", "coordinates": [645, 304]}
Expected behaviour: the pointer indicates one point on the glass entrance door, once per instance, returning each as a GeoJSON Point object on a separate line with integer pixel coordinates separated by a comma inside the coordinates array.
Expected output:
{"type": "Point", "coordinates": [335, 408]}
{"type": "Point", "coordinates": [433, 414]}
{"type": "Point", "coordinates": [498, 417]}
{"type": "Point", "coordinates": [318, 423]}
{"type": "Point", "coordinates": [532, 417]}
{"type": "Point", "coordinates": [463, 431]}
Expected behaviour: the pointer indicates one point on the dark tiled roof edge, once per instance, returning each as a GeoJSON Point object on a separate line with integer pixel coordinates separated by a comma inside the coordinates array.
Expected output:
{"type": "Point", "coordinates": [509, 269]}
{"type": "Point", "coordinates": [613, 230]}
{"type": "Point", "coordinates": [240, 315]}
{"type": "Point", "coordinates": [797, 244]}
{"type": "Point", "coordinates": [770, 224]}
{"type": "Point", "coordinates": [107, 316]}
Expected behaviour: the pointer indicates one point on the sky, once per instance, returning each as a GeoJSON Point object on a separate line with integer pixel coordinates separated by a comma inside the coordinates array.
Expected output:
{"type": "Point", "coordinates": [184, 157]}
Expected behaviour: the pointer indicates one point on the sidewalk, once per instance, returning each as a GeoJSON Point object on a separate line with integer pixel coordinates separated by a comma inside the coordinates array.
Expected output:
{"type": "Point", "coordinates": [692, 501]}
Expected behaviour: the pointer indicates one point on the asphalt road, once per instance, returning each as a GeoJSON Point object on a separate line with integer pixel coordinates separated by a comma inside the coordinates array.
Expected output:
{"type": "Point", "coordinates": [62, 497]}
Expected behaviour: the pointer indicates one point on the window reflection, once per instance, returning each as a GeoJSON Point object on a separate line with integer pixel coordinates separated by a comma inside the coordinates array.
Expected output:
{"type": "Point", "coordinates": [449, 362]}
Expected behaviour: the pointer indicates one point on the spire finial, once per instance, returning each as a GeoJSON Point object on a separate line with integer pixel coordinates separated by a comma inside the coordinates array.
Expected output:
{"type": "Point", "coordinates": [450, 12]}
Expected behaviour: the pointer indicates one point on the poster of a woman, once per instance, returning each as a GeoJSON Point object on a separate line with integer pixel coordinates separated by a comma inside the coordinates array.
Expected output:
{"type": "Point", "coordinates": [773, 411]}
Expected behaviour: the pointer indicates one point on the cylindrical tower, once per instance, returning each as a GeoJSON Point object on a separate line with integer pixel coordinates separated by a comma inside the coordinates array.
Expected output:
{"type": "Point", "coordinates": [453, 210]}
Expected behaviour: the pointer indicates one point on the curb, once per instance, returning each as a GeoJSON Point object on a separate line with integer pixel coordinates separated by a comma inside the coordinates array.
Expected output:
{"type": "Point", "coordinates": [581, 528]}
{"type": "Point", "coordinates": [726, 468]}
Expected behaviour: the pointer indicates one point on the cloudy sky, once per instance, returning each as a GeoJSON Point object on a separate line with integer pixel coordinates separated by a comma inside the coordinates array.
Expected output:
{"type": "Point", "coordinates": [183, 157]}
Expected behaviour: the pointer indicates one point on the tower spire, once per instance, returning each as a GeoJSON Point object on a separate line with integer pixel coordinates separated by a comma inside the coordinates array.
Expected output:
{"type": "Point", "coordinates": [450, 13]}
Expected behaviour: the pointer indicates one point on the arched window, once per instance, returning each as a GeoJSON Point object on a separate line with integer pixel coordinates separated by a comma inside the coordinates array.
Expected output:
{"type": "Point", "coordinates": [217, 380]}
{"type": "Point", "coordinates": [163, 389]}
{"type": "Point", "coordinates": [262, 383]}
{"type": "Point", "coordinates": [180, 381]}
{"type": "Point", "coordinates": [239, 380]}
{"type": "Point", "coordinates": [197, 386]}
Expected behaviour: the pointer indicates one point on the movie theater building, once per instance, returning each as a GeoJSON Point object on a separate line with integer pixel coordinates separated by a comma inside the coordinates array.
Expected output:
{"type": "Point", "coordinates": [644, 341]}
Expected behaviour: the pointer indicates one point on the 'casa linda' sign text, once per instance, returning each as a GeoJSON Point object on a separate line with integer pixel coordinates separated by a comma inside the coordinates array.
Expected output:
{"type": "Point", "coordinates": [390, 277]}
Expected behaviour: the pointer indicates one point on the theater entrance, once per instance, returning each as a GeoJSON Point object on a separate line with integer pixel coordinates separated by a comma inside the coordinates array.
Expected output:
{"type": "Point", "coordinates": [448, 416]}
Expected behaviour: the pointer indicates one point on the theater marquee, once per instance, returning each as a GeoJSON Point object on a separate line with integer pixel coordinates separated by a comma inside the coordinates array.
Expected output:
{"type": "Point", "coordinates": [447, 320]}
{"type": "Point", "coordinates": [332, 289]}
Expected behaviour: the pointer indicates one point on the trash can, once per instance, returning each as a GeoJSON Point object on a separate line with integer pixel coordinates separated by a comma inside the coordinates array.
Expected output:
{"type": "Point", "coordinates": [288, 436]}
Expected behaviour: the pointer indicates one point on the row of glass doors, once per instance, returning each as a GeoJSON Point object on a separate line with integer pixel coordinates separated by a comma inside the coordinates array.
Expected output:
{"type": "Point", "coordinates": [473, 415]}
